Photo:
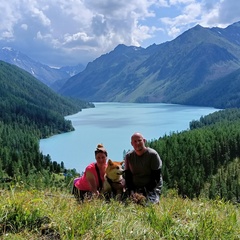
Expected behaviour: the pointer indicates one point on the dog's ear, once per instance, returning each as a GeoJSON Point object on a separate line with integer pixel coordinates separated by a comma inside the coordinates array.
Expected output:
{"type": "Point", "coordinates": [122, 162]}
{"type": "Point", "coordinates": [110, 162]}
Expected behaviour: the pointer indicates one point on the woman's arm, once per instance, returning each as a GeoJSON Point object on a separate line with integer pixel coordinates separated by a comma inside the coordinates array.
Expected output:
{"type": "Point", "coordinates": [92, 182]}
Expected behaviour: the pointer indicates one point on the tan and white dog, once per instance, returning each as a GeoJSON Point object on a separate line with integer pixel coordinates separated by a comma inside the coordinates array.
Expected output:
{"type": "Point", "coordinates": [114, 183]}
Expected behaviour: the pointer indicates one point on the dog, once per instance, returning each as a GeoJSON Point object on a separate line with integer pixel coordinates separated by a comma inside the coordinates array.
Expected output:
{"type": "Point", "coordinates": [114, 184]}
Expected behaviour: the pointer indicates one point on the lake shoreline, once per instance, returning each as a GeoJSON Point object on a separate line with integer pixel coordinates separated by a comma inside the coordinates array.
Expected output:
{"type": "Point", "coordinates": [113, 124]}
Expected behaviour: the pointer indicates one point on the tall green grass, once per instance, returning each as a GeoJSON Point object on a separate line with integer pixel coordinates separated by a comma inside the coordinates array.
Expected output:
{"type": "Point", "coordinates": [53, 215]}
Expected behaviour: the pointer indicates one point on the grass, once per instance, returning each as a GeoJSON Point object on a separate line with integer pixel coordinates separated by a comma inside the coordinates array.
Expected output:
{"type": "Point", "coordinates": [47, 215]}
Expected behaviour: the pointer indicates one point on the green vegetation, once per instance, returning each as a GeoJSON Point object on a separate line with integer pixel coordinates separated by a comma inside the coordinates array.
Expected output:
{"type": "Point", "coordinates": [29, 110]}
{"type": "Point", "coordinates": [54, 215]}
{"type": "Point", "coordinates": [201, 174]}
{"type": "Point", "coordinates": [192, 158]}
{"type": "Point", "coordinates": [25, 101]}
{"type": "Point", "coordinates": [200, 67]}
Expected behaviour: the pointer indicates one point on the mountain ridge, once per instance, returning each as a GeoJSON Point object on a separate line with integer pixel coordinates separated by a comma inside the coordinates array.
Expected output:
{"type": "Point", "coordinates": [170, 72]}
{"type": "Point", "coordinates": [46, 74]}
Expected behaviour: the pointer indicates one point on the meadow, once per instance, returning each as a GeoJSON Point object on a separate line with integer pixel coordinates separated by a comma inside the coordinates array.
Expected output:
{"type": "Point", "coordinates": [34, 214]}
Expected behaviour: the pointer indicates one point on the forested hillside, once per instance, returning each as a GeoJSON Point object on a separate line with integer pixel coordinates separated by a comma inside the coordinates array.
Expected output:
{"type": "Point", "coordinates": [26, 101]}
{"type": "Point", "coordinates": [205, 159]}
{"type": "Point", "coordinates": [29, 110]}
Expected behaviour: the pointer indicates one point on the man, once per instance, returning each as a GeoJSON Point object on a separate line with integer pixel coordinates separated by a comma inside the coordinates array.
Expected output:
{"type": "Point", "coordinates": [143, 170]}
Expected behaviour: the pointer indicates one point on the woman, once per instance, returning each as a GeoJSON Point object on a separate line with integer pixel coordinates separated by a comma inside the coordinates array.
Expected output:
{"type": "Point", "coordinates": [90, 183]}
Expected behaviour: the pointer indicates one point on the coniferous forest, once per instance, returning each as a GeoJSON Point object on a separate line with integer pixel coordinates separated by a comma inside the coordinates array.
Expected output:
{"type": "Point", "coordinates": [29, 110]}
{"type": "Point", "coordinates": [204, 160]}
{"type": "Point", "coordinates": [201, 161]}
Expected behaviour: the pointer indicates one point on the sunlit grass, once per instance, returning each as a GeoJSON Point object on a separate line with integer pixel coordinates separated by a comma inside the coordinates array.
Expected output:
{"type": "Point", "coordinates": [35, 215]}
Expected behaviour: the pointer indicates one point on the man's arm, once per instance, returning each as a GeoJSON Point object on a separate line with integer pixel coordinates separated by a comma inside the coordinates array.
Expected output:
{"type": "Point", "coordinates": [128, 180]}
{"type": "Point", "coordinates": [155, 179]}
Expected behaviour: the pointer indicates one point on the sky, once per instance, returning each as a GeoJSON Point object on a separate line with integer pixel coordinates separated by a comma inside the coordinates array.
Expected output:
{"type": "Point", "coordinates": [70, 32]}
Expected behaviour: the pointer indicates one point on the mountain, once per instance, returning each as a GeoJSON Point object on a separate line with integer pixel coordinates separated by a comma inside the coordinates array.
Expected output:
{"type": "Point", "coordinates": [192, 69]}
{"type": "Point", "coordinates": [26, 101]}
{"type": "Point", "coordinates": [47, 75]}
{"type": "Point", "coordinates": [29, 111]}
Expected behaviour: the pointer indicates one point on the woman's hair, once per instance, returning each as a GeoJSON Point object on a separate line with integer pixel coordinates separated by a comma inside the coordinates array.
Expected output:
{"type": "Point", "coordinates": [100, 149]}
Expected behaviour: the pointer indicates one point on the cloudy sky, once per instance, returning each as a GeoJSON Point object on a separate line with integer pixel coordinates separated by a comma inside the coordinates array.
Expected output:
{"type": "Point", "coordinates": [68, 32]}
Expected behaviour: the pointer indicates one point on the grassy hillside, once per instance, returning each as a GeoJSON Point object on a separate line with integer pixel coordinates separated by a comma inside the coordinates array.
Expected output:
{"type": "Point", "coordinates": [201, 164]}
{"type": "Point", "coordinates": [53, 215]}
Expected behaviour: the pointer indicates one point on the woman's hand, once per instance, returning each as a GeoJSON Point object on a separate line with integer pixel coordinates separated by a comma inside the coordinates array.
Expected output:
{"type": "Point", "coordinates": [96, 194]}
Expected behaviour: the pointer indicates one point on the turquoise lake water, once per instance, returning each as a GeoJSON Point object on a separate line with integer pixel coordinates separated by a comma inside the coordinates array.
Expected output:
{"type": "Point", "coordinates": [113, 124]}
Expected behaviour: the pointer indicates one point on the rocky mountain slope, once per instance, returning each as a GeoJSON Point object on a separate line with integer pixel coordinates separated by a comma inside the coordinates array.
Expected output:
{"type": "Point", "coordinates": [52, 77]}
{"type": "Point", "coordinates": [200, 67]}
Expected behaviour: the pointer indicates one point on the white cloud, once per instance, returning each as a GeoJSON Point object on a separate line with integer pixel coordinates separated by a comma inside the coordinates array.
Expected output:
{"type": "Point", "coordinates": [208, 13]}
{"type": "Point", "coordinates": [77, 39]}
{"type": "Point", "coordinates": [229, 11]}
{"type": "Point", "coordinates": [24, 26]}
{"type": "Point", "coordinates": [8, 18]}
{"type": "Point", "coordinates": [35, 10]}
{"type": "Point", "coordinates": [66, 32]}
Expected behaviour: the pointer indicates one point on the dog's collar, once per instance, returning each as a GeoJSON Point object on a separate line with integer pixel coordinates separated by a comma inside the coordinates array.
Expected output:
{"type": "Point", "coordinates": [110, 181]}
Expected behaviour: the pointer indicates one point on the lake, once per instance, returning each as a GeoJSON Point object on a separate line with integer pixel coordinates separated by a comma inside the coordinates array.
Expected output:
{"type": "Point", "coordinates": [112, 124]}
